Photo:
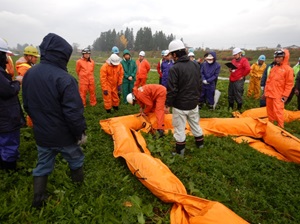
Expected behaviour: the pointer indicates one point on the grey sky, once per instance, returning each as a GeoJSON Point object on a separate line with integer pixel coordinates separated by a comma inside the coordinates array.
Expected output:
{"type": "Point", "coordinates": [213, 23]}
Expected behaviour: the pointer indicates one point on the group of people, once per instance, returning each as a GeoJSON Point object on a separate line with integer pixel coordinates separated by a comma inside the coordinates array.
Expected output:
{"type": "Point", "coordinates": [55, 103]}
{"type": "Point", "coordinates": [278, 81]}
{"type": "Point", "coordinates": [118, 76]}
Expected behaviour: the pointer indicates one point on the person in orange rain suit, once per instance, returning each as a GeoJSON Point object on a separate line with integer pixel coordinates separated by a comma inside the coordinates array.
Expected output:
{"type": "Point", "coordinates": [85, 70]}
{"type": "Point", "coordinates": [111, 77]}
{"type": "Point", "coordinates": [278, 87]}
{"type": "Point", "coordinates": [256, 72]}
{"type": "Point", "coordinates": [151, 99]}
{"type": "Point", "coordinates": [143, 68]}
{"type": "Point", "coordinates": [24, 63]}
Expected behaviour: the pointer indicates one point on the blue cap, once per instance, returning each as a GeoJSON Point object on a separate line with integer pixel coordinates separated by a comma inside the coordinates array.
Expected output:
{"type": "Point", "coordinates": [262, 58]}
{"type": "Point", "coordinates": [115, 50]}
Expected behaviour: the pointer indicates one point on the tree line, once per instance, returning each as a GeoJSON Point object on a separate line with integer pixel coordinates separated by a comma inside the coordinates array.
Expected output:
{"type": "Point", "coordinates": [144, 40]}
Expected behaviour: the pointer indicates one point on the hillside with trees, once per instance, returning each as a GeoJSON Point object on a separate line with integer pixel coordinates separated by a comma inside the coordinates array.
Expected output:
{"type": "Point", "coordinates": [144, 39]}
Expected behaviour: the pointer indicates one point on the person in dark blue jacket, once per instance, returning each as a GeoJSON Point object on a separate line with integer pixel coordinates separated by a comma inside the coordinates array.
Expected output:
{"type": "Point", "coordinates": [210, 70]}
{"type": "Point", "coordinates": [51, 98]}
{"type": "Point", "coordinates": [11, 117]}
{"type": "Point", "coordinates": [165, 67]}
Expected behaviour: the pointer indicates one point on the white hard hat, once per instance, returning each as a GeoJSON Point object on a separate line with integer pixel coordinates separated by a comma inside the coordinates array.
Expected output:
{"type": "Point", "coordinates": [191, 54]}
{"type": "Point", "coordinates": [236, 51]}
{"type": "Point", "coordinates": [4, 46]}
{"type": "Point", "coordinates": [176, 45]}
{"type": "Point", "coordinates": [166, 52]}
{"type": "Point", "coordinates": [130, 98]}
{"type": "Point", "coordinates": [142, 53]}
{"type": "Point", "coordinates": [114, 59]}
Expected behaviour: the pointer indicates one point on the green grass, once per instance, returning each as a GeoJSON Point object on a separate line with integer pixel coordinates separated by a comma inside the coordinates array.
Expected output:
{"type": "Point", "coordinates": [259, 188]}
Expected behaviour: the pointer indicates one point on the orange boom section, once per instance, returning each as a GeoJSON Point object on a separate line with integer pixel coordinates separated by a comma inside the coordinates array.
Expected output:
{"type": "Point", "coordinates": [158, 178]}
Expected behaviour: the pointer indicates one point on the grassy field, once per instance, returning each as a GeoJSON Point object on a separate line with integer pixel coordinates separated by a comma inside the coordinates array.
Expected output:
{"type": "Point", "coordinates": [259, 188]}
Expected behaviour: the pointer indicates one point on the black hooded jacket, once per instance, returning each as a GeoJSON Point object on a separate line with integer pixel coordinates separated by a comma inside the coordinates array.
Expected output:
{"type": "Point", "coordinates": [51, 97]}
{"type": "Point", "coordinates": [11, 118]}
{"type": "Point", "coordinates": [184, 84]}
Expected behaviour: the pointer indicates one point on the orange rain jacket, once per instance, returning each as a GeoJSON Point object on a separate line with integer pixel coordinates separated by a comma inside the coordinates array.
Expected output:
{"type": "Point", "coordinates": [85, 72]}
{"type": "Point", "coordinates": [143, 68]}
{"type": "Point", "coordinates": [279, 84]}
{"type": "Point", "coordinates": [152, 98]}
{"type": "Point", "coordinates": [22, 66]}
{"type": "Point", "coordinates": [110, 78]}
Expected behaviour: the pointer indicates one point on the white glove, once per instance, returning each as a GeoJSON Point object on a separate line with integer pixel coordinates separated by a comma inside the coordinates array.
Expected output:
{"type": "Point", "coordinates": [262, 88]}
{"type": "Point", "coordinates": [205, 82]}
{"type": "Point", "coordinates": [19, 78]}
{"type": "Point", "coordinates": [83, 139]}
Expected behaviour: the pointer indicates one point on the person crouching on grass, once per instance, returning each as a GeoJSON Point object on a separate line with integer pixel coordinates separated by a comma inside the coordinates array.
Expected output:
{"type": "Point", "coordinates": [151, 99]}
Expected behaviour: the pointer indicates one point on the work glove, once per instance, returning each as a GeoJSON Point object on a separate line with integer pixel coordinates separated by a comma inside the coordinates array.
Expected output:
{"type": "Point", "coordinates": [19, 78]}
{"type": "Point", "coordinates": [83, 139]}
{"type": "Point", "coordinates": [262, 88]}
{"type": "Point", "coordinates": [105, 92]}
{"type": "Point", "coordinates": [119, 88]}
{"type": "Point", "coordinates": [205, 82]}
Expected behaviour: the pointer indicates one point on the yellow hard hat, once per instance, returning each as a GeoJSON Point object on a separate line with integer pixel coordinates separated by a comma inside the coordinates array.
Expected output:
{"type": "Point", "coordinates": [31, 50]}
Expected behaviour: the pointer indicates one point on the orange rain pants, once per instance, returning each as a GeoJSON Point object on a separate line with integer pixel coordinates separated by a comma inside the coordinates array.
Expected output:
{"type": "Point", "coordinates": [143, 68]}
{"type": "Point", "coordinates": [111, 77]}
{"type": "Point", "coordinates": [152, 98]}
{"type": "Point", "coordinates": [85, 72]}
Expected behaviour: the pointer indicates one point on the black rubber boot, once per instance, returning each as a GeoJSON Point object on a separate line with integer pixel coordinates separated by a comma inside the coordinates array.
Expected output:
{"type": "Point", "coordinates": [180, 148]}
{"type": "Point", "coordinates": [39, 190]}
{"type": "Point", "coordinates": [210, 107]}
{"type": "Point", "coordinates": [77, 175]}
{"type": "Point", "coordinates": [116, 107]}
{"type": "Point", "coordinates": [1, 163]}
{"type": "Point", "coordinates": [9, 166]}
{"type": "Point", "coordinates": [230, 106]}
{"type": "Point", "coordinates": [200, 105]}
{"type": "Point", "coordinates": [199, 141]}
{"type": "Point", "coordinates": [108, 111]}
{"type": "Point", "coordinates": [239, 107]}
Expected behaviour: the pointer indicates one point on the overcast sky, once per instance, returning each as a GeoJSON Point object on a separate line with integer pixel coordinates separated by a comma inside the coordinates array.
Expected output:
{"type": "Point", "coordinates": [211, 23]}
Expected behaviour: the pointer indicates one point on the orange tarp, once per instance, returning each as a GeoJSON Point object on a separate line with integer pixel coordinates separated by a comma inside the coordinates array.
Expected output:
{"type": "Point", "coordinates": [157, 177]}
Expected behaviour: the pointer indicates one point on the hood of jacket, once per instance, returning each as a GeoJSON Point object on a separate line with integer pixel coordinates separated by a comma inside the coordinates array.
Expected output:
{"type": "Point", "coordinates": [55, 50]}
{"type": "Point", "coordinates": [286, 58]}
{"type": "Point", "coordinates": [213, 54]}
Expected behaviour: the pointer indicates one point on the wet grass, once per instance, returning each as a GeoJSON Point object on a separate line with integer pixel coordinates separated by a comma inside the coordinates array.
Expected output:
{"type": "Point", "coordinates": [259, 188]}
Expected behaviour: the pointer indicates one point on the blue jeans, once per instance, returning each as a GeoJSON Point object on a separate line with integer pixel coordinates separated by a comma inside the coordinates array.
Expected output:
{"type": "Point", "coordinates": [9, 146]}
{"type": "Point", "coordinates": [46, 158]}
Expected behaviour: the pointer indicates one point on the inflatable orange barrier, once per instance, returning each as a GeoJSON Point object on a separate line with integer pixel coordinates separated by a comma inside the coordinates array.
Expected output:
{"type": "Point", "coordinates": [261, 112]}
{"type": "Point", "coordinates": [157, 177]}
